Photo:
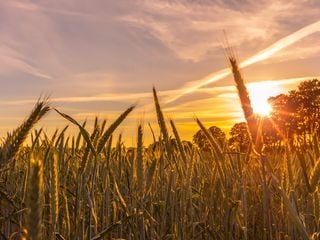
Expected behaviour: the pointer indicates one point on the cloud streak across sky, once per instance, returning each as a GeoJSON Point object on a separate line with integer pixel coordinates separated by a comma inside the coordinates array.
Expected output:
{"type": "Point", "coordinates": [258, 57]}
{"type": "Point", "coordinates": [103, 56]}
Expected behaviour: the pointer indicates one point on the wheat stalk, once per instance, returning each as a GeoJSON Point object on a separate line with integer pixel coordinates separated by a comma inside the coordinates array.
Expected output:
{"type": "Point", "coordinates": [251, 118]}
{"type": "Point", "coordinates": [315, 177]}
{"type": "Point", "coordinates": [179, 143]}
{"type": "Point", "coordinates": [54, 190]}
{"type": "Point", "coordinates": [161, 122]}
{"type": "Point", "coordinates": [34, 200]}
{"type": "Point", "coordinates": [14, 140]}
{"type": "Point", "coordinates": [105, 136]}
{"type": "Point", "coordinates": [140, 163]}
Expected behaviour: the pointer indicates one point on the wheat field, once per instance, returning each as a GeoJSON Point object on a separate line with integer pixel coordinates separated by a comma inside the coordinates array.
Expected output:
{"type": "Point", "coordinates": [92, 186]}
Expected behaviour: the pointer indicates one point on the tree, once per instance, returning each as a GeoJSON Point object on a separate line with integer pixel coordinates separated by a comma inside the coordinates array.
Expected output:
{"type": "Point", "coordinates": [284, 109]}
{"type": "Point", "coordinates": [200, 139]}
{"type": "Point", "coordinates": [271, 136]}
{"type": "Point", "coordinates": [308, 100]}
{"type": "Point", "coordinates": [239, 137]}
{"type": "Point", "coordinates": [297, 113]}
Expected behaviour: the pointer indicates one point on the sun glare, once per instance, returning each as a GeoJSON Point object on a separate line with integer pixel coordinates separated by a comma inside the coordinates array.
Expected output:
{"type": "Point", "coordinates": [259, 94]}
{"type": "Point", "coordinates": [261, 107]}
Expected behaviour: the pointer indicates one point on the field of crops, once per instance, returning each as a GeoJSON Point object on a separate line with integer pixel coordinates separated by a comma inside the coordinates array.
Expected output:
{"type": "Point", "coordinates": [92, 186]}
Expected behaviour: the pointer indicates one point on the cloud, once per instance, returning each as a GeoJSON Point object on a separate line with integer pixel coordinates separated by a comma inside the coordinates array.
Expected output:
{"type": "Point", "coordinates": [192, 30]}
{"type": "Point", "coordinates": [214, 101]}
{"type": "Point", "coordinates": [11, 60]}
{"type": "Point", "coordinates": [258, 57]}
{"type": "Point", "coordinates": [221, 97]}
{"type": "Point", "coordinates": [282, 43]}
{"type": "Point", "coordinates": [30, 6]}
{"type": "Point", "coordinates": [306, 48]}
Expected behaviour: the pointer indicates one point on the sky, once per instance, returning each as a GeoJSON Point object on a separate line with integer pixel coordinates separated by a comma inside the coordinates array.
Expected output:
{"type": "Point", "coordinates": [98, 57]}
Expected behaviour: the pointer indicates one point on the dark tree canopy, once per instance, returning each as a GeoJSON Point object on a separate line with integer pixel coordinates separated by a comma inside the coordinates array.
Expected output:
{"type": "Point", "coordinates": [239, 137]}
{"type": "Point", "coordinates": [297, 113]}
{"type": "Point", "coordinates": [200, 139]}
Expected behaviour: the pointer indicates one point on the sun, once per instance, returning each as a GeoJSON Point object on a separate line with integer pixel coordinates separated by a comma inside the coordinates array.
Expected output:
{"type": "Point", "coordinates": [259, 94]}
{"type": "Point", "coordinates": [261, 107]}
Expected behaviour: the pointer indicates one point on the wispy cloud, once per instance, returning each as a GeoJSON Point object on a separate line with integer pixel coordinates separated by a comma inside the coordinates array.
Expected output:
{"type": "Point", "coordinates": [12, 60]}
{"type": "Point", "coordinates": [30, 6]}
{"type": "Point", "coordinates": [224, 98]}
{"type": "Point", "coordinates": [282, 43]}
{"type": "Point", "coordinates": [258, 57]}
{"type": "Point", "coordinates": [193, 29]}
{"type": "Point", "coordinates": [127, 97]}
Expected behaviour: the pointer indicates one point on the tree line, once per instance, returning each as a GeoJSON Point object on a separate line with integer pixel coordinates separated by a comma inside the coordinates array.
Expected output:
{"type": "Point", "coordinates": [295, 119]}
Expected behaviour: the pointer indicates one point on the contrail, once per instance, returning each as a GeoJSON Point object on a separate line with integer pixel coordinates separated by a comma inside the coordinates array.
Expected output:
{"type": "Point", "coordinates": [11, 57]}
{"type": "Point", "coordinates": [260, 56]}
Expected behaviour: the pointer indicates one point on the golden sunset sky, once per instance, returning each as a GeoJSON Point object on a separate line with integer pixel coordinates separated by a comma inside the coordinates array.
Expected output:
{"type": "Point", "coordinates": [98, 57]}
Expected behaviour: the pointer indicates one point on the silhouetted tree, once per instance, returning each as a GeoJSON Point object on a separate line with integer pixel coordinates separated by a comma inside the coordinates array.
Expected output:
{"type": "Point", "coordinates": [271, 135]}
{"type": "Point", "coordinates": [239, 137]}
{"type": "Point", "coordinates": [308, 101]}
{"type": "Point", "coordinates": [200, 139]}
{"type": "Point", "coordinates": [284, 114]}
{"type": "Point", "coordinates": [297, 113]}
